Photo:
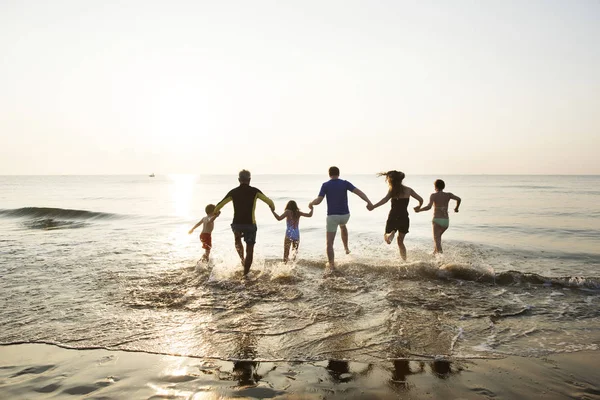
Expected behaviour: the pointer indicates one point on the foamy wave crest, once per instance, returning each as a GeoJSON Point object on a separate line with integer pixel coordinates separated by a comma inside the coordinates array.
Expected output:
{"type": "Point", "coordinates": [55, 213]}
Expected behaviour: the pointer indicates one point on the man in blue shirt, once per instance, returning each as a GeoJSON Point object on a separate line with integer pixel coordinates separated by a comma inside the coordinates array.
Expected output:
{"type": "Point", "coordinates": [336, 190]}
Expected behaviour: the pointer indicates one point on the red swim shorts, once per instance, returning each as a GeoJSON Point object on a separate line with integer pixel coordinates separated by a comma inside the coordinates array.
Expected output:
{"type": "Point", "coordinates": [206, 240]}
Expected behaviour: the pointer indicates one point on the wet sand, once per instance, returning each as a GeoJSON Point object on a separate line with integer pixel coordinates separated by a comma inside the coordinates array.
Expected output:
{"type": "Point", "coordinates": [40, 371]}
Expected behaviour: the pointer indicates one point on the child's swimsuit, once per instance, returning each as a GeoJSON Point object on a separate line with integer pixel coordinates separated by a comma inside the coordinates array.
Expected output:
{"type": "Point", "coordinates": [398, 216]}
{"type": "Point", "coordinates": [292, 231]}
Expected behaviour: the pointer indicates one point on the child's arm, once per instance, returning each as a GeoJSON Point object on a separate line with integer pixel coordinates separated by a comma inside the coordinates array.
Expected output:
{"type": "Point", "coordinates": [428, 206]}
{"type": "Point", "coordinates": [279, 217]}
{"type": "Point", "coordinates": [380, 202]}
{"type": "Point", "coordinates": [418, 198]}
{"type": "Point", "coordinates": [195, 226]}
{"type": "Point", "coordinates": [309, 214]}
{"type": "Point", "coordinates": [453, 197]}
{"type": "Point", "coordinates": [214, 216]}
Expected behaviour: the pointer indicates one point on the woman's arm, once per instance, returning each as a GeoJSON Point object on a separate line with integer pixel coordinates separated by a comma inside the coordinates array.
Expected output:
{"type": "Point", "coordinates": [428, 206]}
{"type": "Point", "coordinates": [418, 198]}
{"type": "Point", "coordinates": [454, 197]}
{"type": "Point", "coordinates": [381, 202]}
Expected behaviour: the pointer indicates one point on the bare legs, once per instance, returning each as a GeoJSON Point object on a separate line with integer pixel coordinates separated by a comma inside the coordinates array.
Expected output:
{"type": "Point", "coordinates": [330, 253]}
{"type": "Point", "coordinates": [401, 245]}
{"type": "Point", "coordinates": [206, 255]}
{"type": "Point", "coordinates": [239, 246]}
{"type": "Point", "coordinates": [287, 243]}
{"type": "Point", "coordinates": [437, 237]}
{"type": "Point", "coordinates": [344, 232]}
{"type": "Point", "coordinates": [388, 237]}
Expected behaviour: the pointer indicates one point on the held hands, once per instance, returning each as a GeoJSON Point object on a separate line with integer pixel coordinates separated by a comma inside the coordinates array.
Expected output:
{"type": "Point", "coordinates": [417, 209]}
{"type": "Point", "coordinates": [370, 207]}
{"type": "Point", "coordinates": [310, 205]}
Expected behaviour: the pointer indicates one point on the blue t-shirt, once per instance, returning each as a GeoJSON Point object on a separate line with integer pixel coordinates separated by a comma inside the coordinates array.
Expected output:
{"type": "Point", "coordinates": [336, 192]}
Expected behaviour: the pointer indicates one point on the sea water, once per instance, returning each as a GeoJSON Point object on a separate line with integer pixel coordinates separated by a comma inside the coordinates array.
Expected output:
{"type": "Point", "coordinates": [106, 262]}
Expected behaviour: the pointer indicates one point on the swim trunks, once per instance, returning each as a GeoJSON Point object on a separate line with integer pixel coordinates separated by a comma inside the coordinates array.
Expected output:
{"type": "Point", "coordinates": [334, 220]}
{"type": "Point", "coordinates": [247, 231]}
{"type": "Point", "coordinates": [206, 240]}
{"type": "Point", "coordinates": [443, 222]}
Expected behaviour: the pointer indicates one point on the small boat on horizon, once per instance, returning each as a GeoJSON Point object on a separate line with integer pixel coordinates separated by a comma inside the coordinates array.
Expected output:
{"type": "Point", "coordinates": [151, 175]}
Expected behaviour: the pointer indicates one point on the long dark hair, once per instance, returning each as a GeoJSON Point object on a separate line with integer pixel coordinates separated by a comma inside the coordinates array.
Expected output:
{"type": "Point", "coordinates": [394, 180]}
{"type": "Point", "coordinates": [293, 207]}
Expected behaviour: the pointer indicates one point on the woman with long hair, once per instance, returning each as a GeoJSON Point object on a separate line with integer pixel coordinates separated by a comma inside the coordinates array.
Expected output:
{"type": "Point", "coordinates": [398, 221]}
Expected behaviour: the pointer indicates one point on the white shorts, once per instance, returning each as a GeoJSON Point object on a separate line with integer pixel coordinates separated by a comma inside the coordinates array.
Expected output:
{"type": "Point", "coordinates": [334, 220]}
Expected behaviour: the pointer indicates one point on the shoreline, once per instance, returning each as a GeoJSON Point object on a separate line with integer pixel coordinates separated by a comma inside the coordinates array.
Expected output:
{"type": "Point", "coordinates": [32, 371]}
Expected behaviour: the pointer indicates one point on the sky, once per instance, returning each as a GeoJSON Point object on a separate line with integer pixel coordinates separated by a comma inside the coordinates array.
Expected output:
{"type": "Point", "coordinates": [201, 87]}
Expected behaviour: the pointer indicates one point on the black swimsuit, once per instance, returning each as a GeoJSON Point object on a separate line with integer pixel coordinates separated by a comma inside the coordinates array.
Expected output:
{"type": "Point", "coordinates": [398, 217]}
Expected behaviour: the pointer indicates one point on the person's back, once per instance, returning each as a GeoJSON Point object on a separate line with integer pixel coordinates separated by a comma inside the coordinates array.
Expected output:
{"type": "Point", "coordinates": [244, 199]}
{"type": "Point", "coordinates": [335, 192]}
{"type": "Point", "coordinates": [440, 204]}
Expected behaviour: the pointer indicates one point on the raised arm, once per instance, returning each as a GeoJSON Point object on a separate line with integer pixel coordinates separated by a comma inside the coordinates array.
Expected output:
{"type": "Point", "coordinates": [279, 217]}
{"type": "Point", "coordinates": [308, 214]}
{"type": "Point", "coordinates": [454, 197]}
{"type": "Point", "coordinates": [214, 216]}
{"type": "Point", "coordinates": [363, 196]}
{"type": "Point", "coordinates": [428, 206]}
{"type": "Point", "coordinates": [381, 202]}
{"type": "Point", "coordinates": [195, 226]}
{"type": "Point", "coordinates": [418, 198]}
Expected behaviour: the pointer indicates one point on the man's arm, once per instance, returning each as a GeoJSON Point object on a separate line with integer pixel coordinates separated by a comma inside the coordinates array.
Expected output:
{"type": "Point", "coordinates": [267, 200]}
{"type": "Point", "coordinates": [316, 201]}
{"type": "Point", "coordinates": [453, 197]}
{"type": "Point", "coordinates": [225, 200]}
{"type": "Point", "coordinates": [363, 196]}
{"type": "Point", "coordinates": [428, 206]}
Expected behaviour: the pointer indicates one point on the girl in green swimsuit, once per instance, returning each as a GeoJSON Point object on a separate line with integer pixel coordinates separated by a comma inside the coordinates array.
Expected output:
{"type": "Point", "coordinates": [441, 221]}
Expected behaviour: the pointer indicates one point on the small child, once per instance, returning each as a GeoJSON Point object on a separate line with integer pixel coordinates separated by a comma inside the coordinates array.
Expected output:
{"type": "Point", "coordinates": [441, 220]}
{"type": "Point", "coordinates": [292, 232]}
{"type": "Point", "coordinates": [205, 235]}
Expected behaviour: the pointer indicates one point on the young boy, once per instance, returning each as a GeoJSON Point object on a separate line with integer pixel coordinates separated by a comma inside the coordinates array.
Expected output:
{"type": "Point", "coordinates": [441, 221]}
{"type": "Point", "coordinates": [207, 228]}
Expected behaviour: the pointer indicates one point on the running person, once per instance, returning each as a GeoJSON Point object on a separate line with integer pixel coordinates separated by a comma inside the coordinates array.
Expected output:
{"type": "Point", "coordinates": [244, 223]}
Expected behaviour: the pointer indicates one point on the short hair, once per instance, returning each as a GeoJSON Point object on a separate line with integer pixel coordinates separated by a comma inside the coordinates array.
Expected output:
{"type": "Point", "coordinates": [334, 171]}
{"type": "Point", "coordinates": [244, 175]}
{"type": "Point", "coordinates": [439, 184]}
{"type": "Point", "coordinates": [210, 208]}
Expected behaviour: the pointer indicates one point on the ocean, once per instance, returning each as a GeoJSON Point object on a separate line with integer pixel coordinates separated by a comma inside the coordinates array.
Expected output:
{"type": "Point", "coordinates": [105, 262]}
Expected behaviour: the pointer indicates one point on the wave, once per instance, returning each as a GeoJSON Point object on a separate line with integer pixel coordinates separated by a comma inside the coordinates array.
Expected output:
{"type": "Point", "coordinates": [55, 213]}
{"type": "Point", "coordinates": [436, 270]}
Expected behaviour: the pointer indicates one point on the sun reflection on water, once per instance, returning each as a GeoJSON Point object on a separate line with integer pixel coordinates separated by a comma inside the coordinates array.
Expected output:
{"type": "Point", "coordinates": [182, 190]}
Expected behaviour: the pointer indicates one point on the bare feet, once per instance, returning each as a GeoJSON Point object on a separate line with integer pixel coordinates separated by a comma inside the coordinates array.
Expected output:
{"type": "Point", "coordinates": [347, 250]}
{"type": "Point", "coordinates": [388, 237]}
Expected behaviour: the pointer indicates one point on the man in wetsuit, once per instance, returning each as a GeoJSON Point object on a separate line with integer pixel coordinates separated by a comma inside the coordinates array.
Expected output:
{"type": "Point", "coordinates": [244, 224]}
{"type": "Point", "coordinates": [336, 190]}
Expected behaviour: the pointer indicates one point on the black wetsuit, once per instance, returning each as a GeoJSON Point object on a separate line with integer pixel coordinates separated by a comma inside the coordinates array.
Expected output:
{"type": "Point", "coordinates": [244, 202]}
{"type": "Point", "coordinates": [398, 217]}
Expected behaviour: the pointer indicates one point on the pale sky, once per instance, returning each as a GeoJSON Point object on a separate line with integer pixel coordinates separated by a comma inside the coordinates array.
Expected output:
{"type": "Point", "coordinates": [427, 87]}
